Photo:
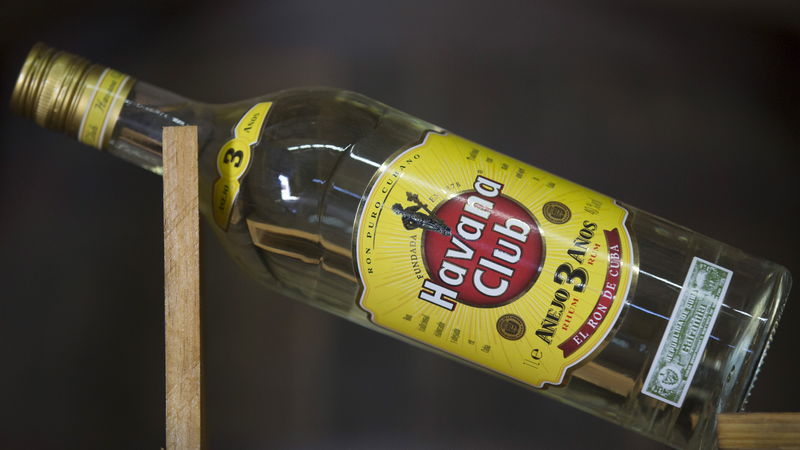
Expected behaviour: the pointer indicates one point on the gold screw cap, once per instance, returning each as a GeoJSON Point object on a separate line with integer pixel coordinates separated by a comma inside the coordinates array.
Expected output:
{"type": "Point", "coordinates": [57, 89]}
{"type": "Point", "coordinates": [48, 86]}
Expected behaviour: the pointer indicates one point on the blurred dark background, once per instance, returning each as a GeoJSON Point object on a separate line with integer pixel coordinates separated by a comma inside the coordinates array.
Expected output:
{"type": "Point", "coordinates": [697, 102]}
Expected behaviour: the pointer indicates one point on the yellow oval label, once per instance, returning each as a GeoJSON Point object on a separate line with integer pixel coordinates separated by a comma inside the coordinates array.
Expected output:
{"type": "Point", "coordinates": [490, 259]}
{"type": "Point", "coordinates": [233, 160]}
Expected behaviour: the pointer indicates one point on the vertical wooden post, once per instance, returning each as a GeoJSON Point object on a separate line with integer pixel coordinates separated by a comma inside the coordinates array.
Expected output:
{"type": "Point", "coordinates": [182, 288]}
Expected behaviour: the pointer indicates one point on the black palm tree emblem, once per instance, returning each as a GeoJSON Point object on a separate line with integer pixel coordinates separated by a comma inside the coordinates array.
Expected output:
{"type": "Point", "coordinates": [413, 218]}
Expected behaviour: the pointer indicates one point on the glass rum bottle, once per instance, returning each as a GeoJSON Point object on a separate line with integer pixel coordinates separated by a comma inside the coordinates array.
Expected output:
{"type": "Point", "coordinates": [391, 222]}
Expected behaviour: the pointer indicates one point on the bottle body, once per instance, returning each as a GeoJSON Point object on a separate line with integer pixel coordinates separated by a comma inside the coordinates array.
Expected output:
{"type": "Point", "coordinates": [298, 241]}
{"type": "Point", "coordinates": [297, 216]}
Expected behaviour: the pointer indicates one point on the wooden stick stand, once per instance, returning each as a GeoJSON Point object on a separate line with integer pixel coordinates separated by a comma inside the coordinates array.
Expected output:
{"type": "Point", "coordinates": [182, 289]}
{"type": "Point", "coordinates": [759, 430]}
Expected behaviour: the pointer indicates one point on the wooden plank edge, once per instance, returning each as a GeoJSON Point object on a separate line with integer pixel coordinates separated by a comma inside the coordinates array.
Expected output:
{"type": "Point", "coordinates": [758, 430]}
{"type": "Point", "coordinates": [182, 290]}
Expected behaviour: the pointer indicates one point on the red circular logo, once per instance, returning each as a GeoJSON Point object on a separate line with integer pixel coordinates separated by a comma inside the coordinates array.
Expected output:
{"type": "Point", "coordinates": [494, 251]}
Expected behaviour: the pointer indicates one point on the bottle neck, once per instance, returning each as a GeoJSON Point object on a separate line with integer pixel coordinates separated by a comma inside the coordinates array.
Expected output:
{"type": "Point", "coordinates": [137, 132]}
{"type": "Point", "coordinates": [99, 106]}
